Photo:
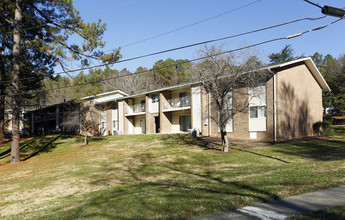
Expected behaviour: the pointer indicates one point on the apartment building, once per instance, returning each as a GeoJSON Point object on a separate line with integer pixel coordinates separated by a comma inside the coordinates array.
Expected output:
{"type": "Point", "coordinates": [284, 107]}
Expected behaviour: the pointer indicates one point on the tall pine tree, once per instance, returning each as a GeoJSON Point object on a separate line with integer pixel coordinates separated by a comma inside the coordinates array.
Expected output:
{"type": "Point", "coordinates": [37, 37]}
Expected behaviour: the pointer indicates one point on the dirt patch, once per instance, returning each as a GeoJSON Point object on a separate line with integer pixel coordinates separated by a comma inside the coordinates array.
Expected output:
{"type": "Point", "coordinates": [86, 145]}
{"type": "Point", "coordinates": [12, 165]}
{"type": "Point", "coordinates": [212, 142]}
{"type": "Point", "coordinates": [4, 141]}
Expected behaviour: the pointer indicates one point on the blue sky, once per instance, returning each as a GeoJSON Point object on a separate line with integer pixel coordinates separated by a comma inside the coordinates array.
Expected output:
{"type": "Point", "coordinates": [130, 21]}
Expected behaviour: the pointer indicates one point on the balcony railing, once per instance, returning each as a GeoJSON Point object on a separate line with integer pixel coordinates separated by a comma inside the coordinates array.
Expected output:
{"type": "Point", "coordinates": [134, 109]}
{"type": "Point", "coordinates": [181, 102]}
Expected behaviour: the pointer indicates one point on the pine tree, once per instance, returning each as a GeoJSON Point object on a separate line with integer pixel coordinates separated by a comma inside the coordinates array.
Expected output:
{"type": "Point", "coordinates": [41, 39]}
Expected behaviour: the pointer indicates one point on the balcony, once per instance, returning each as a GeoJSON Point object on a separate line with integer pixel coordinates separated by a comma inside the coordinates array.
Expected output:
{"type": "Point", "coordinates": [177, 104]}
{"type": "Point", "coordinates": [137, 109]}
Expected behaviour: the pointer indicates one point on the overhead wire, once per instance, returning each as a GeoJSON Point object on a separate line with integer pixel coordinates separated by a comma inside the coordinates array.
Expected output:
{"type": "Point", "coordinates": [194, 44]}
{"type": "Point", "coordinates": [187, 61]}
{"type": "Point", "coordinates": [185, 46]}
{"type": "Point", "coordinates": [310, 2]}
{"type": "Point", "coordinates": [192, 24]}
{"type": "Point", "coordinates": [168, 32]}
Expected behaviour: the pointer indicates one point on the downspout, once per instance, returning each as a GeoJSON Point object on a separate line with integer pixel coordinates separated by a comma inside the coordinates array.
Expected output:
{"type": "Point", "coordinates": [274, 106]}
{"type": "Point", "coordinates": [100, 123]}
{"type": "Point", "coordinates": [209, 114]}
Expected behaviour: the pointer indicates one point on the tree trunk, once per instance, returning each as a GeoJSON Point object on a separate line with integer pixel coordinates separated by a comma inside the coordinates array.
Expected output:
{"type": "Point", "coordinates": [85, 139]}
{"type": "Point", "coordinates": [2, 92]}
{"type": "Point", "coordinates": [2, 115]}
{"type": "Point", "coordinates": [225, 141]}
{"type": "Point", "coordinates": [15, 156]}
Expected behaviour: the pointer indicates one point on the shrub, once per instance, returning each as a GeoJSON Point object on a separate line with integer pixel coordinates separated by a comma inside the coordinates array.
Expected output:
{"type": "Point", "coordinates": [323, 128]}
{"type": "Point", "coordinates": [317, 128]}
{"type": "Point", "coordinates": [328, 132]}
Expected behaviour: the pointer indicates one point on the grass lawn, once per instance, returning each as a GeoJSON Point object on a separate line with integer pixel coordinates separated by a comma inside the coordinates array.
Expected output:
{"type": "Point", "coordinates": [336, 213]}
{"type": "Point", "coordinates": [159, 176]}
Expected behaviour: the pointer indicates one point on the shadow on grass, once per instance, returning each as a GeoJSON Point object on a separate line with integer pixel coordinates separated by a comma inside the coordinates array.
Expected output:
{"type": "Point", "coordinates": [34, 147]}
{"type": "Point", "coordinates": [146, 196]}
{"type": "Point", "coordinates": [331, 213]}
{"type": "Point", "coordinates": [314, 148]}
{"type": "Point", "coordinates": [42, 145]}
{"type": "Point", "coordinates": [322, 149]}
{"type": "Point", "coordinates": [23, 146]}
{"type": "Point", "coordinates": [214, 144]}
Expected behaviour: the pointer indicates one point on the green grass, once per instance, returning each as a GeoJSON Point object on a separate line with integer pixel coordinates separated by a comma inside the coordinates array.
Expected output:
{"type": "Point", "coordinates": [159, 176]}
{"type": "Point", "coordinates": [336, 213]}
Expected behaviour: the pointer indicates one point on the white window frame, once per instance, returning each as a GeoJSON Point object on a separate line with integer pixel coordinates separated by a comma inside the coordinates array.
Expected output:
{"type": "Point", "coordinates": [254, 103]}
{"type": "Point", "coordinates": [115, 124]}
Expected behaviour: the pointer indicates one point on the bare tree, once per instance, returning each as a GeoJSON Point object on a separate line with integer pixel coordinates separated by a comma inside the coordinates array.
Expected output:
{"type": "Point", "coordinates": [89, 120]}
{"type": "Point", "coordinates": [226, 78]}
{"type": "Point", "coordinates": [132, 83]}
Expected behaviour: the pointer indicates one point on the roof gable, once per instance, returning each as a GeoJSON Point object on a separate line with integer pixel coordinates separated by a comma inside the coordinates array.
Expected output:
{"type": "Point", "coordinates": [311, 67]}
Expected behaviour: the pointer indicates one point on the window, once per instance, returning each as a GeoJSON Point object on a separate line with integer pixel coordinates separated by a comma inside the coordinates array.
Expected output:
{"type": "Point", "coordinates": [103, 125]}
{"type": "Point", "coordinates": [184, 99]}
{"type": "Point", "coordinates": [114, 106]}
{"type": "Point", "coordinates": [155, 98]}
{"type": "Point", "coordinates": [258, 112]}
{"type": "Point", "coordinates": [142, 105]}
{"type": "Point", "coordinates": [115, 123]}
{"type": "Point", "coordinates": [257, 108]}
{"type": "Point", "coordinates": [185, 122]}
{"type": "Point", "coordinates": [184, 94]}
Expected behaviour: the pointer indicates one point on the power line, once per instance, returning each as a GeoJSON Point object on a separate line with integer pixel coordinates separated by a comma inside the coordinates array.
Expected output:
{"type": "Point", "coordinates": [184, 62]}
{"type": "Point", "coordinates": [182, 47]}
{"type": "Point", "coordinates": [168, 32]}
{"type": "Point", "coordinates": [310, 2]}
{"type": "Point", "coordinates": [193, 24]}
{"type": "Point", "coordinates": [195, 44]}
{"type": "Point", "coordinates": [186, 46]}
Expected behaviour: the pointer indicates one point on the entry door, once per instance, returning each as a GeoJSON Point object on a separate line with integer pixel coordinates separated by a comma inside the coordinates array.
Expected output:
{"type": "Point", "coordinates": [157, 123]}
{"type": "Point", "coordinates": [185, 123]}
{"type": "Point", "coordinates": [143, 126]}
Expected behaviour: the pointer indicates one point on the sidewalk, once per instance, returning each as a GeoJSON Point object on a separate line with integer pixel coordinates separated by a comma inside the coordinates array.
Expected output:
{"type": "Point", "coordinates": [285, 208]}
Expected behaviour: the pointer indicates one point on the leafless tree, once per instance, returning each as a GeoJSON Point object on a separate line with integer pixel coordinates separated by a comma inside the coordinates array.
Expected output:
{"type": "Point", "coordinates": [89, 120]}
{"type": "Point", "coordinates": [226, 77]}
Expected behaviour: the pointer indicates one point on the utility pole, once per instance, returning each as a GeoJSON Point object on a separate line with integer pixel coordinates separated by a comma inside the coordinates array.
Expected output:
{"type": "Point", "coordinates": [15, 154]}
{"type": "Point", "coordinates": [329, 10]}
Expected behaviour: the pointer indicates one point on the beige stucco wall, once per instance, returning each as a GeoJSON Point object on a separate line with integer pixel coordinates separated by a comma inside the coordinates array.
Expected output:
{"type": "Point", "coordinates": [150, 123]}
{"type": "Point", "coordinates": [299, 103]}
{"type": "Point", "coordinates": [137, 128]}
{"type": "Point", "coordinates": [126, 102]}
{"type": "Point", "coordinates": [165, 117]}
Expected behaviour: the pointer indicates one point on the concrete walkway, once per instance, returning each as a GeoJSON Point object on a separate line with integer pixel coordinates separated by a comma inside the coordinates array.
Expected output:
{"type": "Point", "coordinates": [285, 208]}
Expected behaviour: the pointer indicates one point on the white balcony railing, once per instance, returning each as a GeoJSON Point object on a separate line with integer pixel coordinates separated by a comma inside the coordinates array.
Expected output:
{"type": "Point", "coordinates": [177, 103]}
{"type": "Point", "coordinates": [134, 109]}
